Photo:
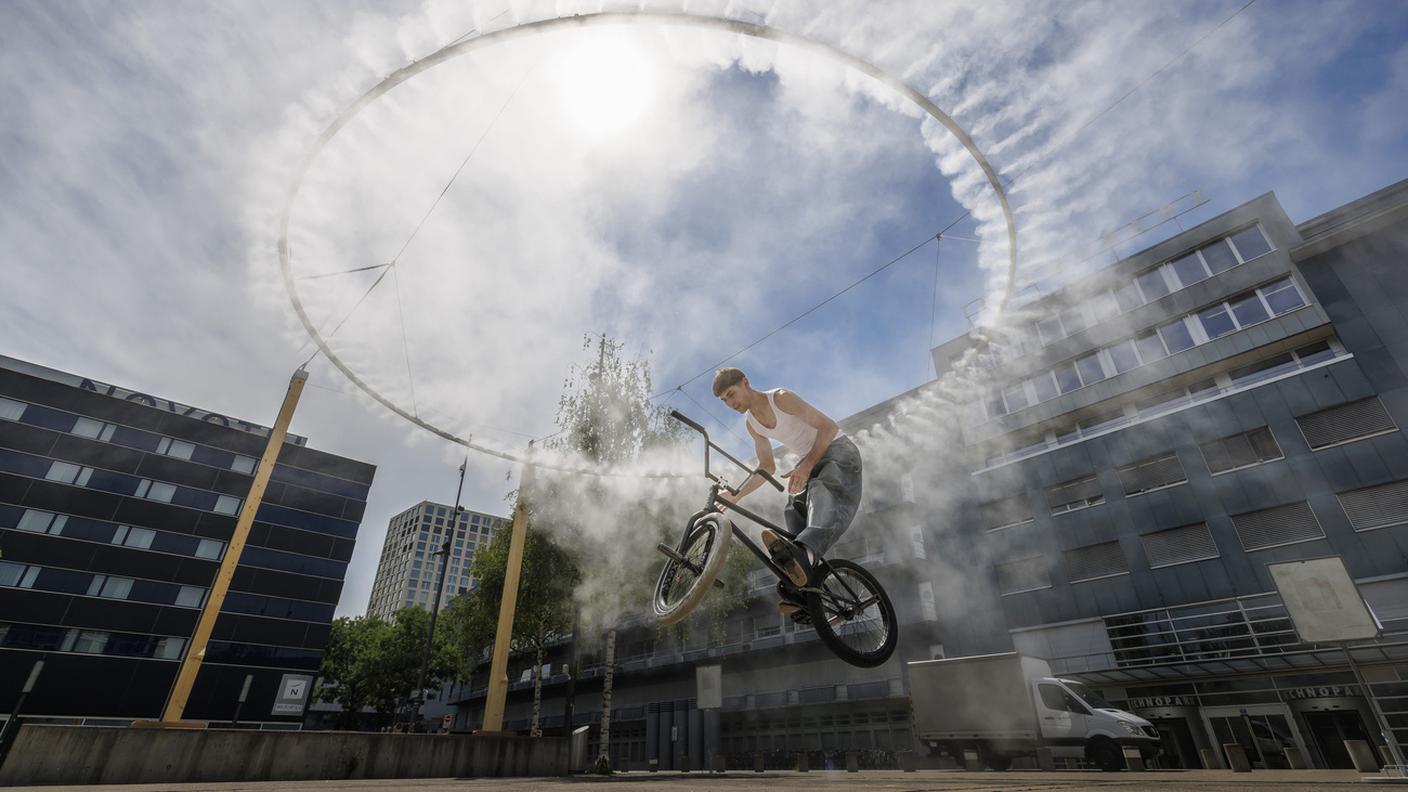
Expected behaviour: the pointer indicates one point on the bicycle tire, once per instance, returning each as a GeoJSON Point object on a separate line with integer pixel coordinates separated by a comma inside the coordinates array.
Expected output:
{"type": "Point", "coordinates": [827, 629]}
{"type": "Point", "coordinates": [710, 536]}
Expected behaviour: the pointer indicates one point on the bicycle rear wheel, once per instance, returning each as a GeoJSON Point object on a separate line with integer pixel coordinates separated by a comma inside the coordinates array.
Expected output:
{"type": "Point", "coordinates": [853, 615]}
{"type": "Point", "coordinates": [686, 579]}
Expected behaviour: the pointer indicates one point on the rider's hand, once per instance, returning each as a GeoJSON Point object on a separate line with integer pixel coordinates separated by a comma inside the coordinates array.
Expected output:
{"type": "Point", "coordinates": [725, 498]}
{"type": "Point", "coordinates": [797, 478]}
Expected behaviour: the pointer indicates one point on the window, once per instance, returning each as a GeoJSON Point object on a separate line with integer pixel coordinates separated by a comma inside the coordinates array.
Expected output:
{"type": "Point", "coordinates": [1250, 243]}
{"type": "Point", "coordinates": [155, 490]}
{"type": "Point", "coordinates": [226, 504]}
{"type": "Point", "coordinates": [87, 641]}
{"type": "Point", "coordinates": [1241, 450]}
{"type": "Point", "coordinates": [1345, 423]}
{"type": "Point", "coordinates": [1176, 336]}
{"type": "Point", "coordinates": [1179, 545]}
{"type": "Point", "coordinates": [1150, 347]}
{"type": "Point", "coordinates": [1066, 377]}
{"type": "Point", "coordinates": [1045, 386]}
{"type": "Point", "coordinates": [1103, 306]}
{"type": "Point", "coordinates": [97, 430]}
{"type": "Point", "coordinates": [1263, 370]}
{"type": "Point", "coordinates": [1073, 495]}
{"type": "Point", "coordinates": [1219, 256]}
{"type": "Point", "coordinates": [1073, 320]}
{"type": "Point", "coordinates": [1376, 507]}
{"type": "Point", "coordinates": [1249, 310]}
{"type": "Point", "coordinates": [1152, 284]}
{"type": "Point", "coordinates": [1311, 354]}
{"type": "Point", "coordinates": [175, 448]}
{"type": "Point", "coordinates": [169, 648]}
{"type": "Point", "coordinates": [1049, 330]}
{"type": "Point", "coordinates": [1096, 561]}
{"type": "Point", "coordinates": [1004, 513]}
{"type": "Point", "coordinates": [1124, 356]}
{"type": "Point", "coordinates": [190, 596]}
{"type": "Point", "coordinates": [1027, 574]}
{"type": "Point", "coordinates": [1055, 698]}
{"type": "Point", "coordinates": [1016, 397]}
{"type": "Point", "coordinates": [1152, 474]}
{"type": "Point", "coordinates": [1189, 269]}
{"type": "Point", "coordinates": [1090, 369]}
{"type": "Point", "coordinates": [140, 538]}
{"type": "Point", "coordinates": [67, 473]}
{"type": "Point", "coordinates": [209, 548]}
{"type": "Point", "coordinates": [1281, 525]}
{"type": "Point", "coordinates": [1216, 321]}
{"type": "Point", "coordinates": [114, 587]}
{"type": "Point", "coordinates": [243, 464]}
{"type": "Point", "coordinates": [1282, 296]}
{"type": "Point", "coordinates": [36, 521]}
{"type": "Point", "coordinates": [10, 574]}
{"type": "Point", "coordinates": [11, 410]}
{"type": "Point", "coordinates": [1127, 296]}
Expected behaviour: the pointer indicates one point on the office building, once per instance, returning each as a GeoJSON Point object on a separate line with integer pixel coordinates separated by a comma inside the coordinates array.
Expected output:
{"type": "Point", "coordinates": [409, 567]}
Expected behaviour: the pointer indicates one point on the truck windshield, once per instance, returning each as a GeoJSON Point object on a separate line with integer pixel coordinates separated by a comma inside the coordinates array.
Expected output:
{"type": "Point", "coordinates": [1090, 697]}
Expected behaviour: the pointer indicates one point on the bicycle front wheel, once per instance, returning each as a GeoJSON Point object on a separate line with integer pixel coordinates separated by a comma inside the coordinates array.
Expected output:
{"type": "Point", "coordinates": [686, 579]}
{"type": "Point", "coordinates": [853, 615]}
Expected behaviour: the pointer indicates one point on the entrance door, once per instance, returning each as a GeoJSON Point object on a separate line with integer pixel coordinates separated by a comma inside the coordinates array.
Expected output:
{"type": "Point", "coordinates": [1264, 732]}
{"type": "Point", "coordinates": [1330, 729]}
{"type": "Point", "coordinates": [1178, 750]}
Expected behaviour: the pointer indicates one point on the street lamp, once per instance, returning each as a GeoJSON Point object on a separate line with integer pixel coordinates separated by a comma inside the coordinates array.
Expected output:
{"type": "Point", "coordinates": [444, 552]}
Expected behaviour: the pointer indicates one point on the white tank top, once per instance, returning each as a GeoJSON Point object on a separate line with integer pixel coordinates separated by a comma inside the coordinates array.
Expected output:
{"type": "Point", "coordinates": [796, 435]}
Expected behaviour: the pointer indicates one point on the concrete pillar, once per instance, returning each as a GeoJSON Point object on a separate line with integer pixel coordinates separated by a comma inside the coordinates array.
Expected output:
{"type": "Point", "coordinates": [1362, 755]}
{"type": "Point", "coordinates": [1236, 758]}
{"type": "Point", "coordinates": [696, 736]}
{"type": "Point", "coordinates": [652, 735]}
{"type": "Point", "coordinates": [1209, 757]}
{"type": "Point", "coordinates": [1132, 758]}
{"type": "Point", "coordinates": [852, 762]}
{"type": "Point", "coordinates": [907, 761]}
{"type": "Point", "coordinates": [667, 742]}
{"type": "Point", "coordinates": [710, 737]}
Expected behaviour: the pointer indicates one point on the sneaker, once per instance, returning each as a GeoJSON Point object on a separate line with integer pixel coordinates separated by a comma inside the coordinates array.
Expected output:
{"type": "Point", "coordinates": [790, 604]}
{"type": "Point", "coordinates": [787, 555]}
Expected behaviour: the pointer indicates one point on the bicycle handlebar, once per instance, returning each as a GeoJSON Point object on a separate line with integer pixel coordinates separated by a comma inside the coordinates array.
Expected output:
{"type": "Point", "coordinates": [768, 477]}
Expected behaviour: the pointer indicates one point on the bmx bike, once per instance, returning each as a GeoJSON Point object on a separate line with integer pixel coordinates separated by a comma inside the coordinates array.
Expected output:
{"type": "Point", "coordinates": [844, 603]}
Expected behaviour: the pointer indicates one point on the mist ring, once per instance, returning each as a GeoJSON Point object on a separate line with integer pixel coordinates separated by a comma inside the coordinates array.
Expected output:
{"type": "Point", "coordinates": [455, 49]}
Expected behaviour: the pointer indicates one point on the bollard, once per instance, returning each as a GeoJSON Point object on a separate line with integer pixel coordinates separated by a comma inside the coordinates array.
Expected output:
{"type": "Point", "coordinates": [718, 763]}
{"type": "Point", "coordinates": [1362, 755]}
{"type": "Point", "coordinates": [907, 761]}
{"type": "Point", "coordinates": [804, 762]}
{"type": "Point", "coordinates": [1236, 758]}
{"type": "Point", "coordinates": [684, 763]}
{"type": "Point", "coordinates": [1133, 760]}
{"type": "Point", "coordinates": [971, 761]}
{"type": "Point", "coordinates": [757, 763]}
{"type": "Point", "coordinates": [1295, 759]}
{"type": "Point", "coordinates": [1209, 757]}
{"type": "Point", "coordinates": [852, 762]}
{"type": "Point", "coordinates": [654, 765]}
{"type": "Point", "coordinates": [1044, 759]}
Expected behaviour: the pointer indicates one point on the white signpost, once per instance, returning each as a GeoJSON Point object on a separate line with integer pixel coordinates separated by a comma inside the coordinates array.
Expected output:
{"type": "Point", "coordinates": [1326, 607]}
{"type": "Point", "coordinates": [293, 694]}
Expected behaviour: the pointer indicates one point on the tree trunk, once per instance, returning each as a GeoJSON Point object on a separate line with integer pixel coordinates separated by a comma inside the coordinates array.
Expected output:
{"type": "Point", "coordinates": [533, 729]}
{"type": "Point", "coordinates": [605, 754]}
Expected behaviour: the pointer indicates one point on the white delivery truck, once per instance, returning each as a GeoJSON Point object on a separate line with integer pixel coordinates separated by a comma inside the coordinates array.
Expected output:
{"type": "Point", "coordinates": [1007, 705]}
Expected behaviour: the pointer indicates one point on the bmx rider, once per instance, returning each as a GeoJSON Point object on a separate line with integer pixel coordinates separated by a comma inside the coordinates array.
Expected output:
{"type": "Point", "coordinates": [824, 488]}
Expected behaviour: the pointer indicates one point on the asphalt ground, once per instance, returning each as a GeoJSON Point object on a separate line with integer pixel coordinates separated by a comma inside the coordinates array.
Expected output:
{"type": "Point", "coordinates": [893, 780]}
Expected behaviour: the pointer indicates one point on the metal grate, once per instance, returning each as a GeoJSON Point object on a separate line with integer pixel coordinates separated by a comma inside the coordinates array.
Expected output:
{"type": "Point", "coordinates": [1179, 545]}
{"type": "Point", "coordinates": [1346, 422]}
{"type": "Point", "coordinates": [1294, 522]}
{"type": "Point", "coordinates": [1376, 507]}
{"type": "Point", "coordinates": [1152, 474]}
{"type": "Point", "coordinates": [1027, 574]}
{"type": "Point", "coordinates": [1005, 512]}
{"type": "Point", "coordinates": [1095, 561]}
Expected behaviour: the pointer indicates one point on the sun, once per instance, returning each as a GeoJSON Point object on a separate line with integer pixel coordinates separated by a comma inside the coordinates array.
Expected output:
{"type": "Point", "coordinates": [606, 84]}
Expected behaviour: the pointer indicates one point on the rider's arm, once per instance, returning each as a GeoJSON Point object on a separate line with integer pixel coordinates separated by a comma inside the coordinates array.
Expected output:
{"type": "Point", "coordinates": [763, 447]}
{"type": "Point", "coordinates": [826, 431]}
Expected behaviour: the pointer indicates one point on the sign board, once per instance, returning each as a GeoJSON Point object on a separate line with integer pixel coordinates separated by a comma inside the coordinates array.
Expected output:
{"type": "Point", "coordinates": [709, 687]}
{"type": "Point", "coordinates": [1324, 604]}
{"type": "Point", "coordinates": [294, 690]}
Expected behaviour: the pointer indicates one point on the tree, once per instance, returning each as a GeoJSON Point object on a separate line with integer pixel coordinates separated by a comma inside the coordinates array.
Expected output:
{"type": "Point", "coordinates": [373, 662]}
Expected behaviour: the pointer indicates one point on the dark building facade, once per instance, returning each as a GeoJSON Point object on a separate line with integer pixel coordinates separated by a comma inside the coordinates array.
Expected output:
{"type": "Point", "coordinates": [116, 509]}
{"type": "Point", "coordinates": [1157, 433]}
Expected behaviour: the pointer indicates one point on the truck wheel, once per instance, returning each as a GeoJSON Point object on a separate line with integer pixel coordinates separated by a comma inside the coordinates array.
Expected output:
{"type": "Point", "coordinates": [997, 762]}
{"type": "Point", "coordinates": [1104, 754]}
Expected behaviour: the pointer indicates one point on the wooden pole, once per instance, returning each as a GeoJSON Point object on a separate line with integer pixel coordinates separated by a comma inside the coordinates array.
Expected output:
{"type": "Point", "coordinates": [498, 669]}
{"type": "Point", "coordinates": [195, 653]}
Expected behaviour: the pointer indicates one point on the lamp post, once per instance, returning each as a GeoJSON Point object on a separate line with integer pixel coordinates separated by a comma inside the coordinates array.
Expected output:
{"type": "Point", "coordinates": [445, 550]}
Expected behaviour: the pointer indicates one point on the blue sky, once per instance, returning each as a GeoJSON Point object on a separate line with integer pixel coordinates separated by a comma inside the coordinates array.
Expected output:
{"type": "Point", "coordinates": [146, 148]}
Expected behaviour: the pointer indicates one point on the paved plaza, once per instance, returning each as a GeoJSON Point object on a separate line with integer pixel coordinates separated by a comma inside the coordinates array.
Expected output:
{"type": "Point", "coordinates": [922, 781]}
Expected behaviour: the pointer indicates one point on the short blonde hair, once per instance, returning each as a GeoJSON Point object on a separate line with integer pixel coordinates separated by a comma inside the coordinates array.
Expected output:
{"type": "Point", "coordinates": [726, 378]}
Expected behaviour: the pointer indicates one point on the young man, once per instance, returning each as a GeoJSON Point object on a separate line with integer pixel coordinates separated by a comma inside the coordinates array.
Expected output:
{"type": "Point", "coordinates": [826, 482]}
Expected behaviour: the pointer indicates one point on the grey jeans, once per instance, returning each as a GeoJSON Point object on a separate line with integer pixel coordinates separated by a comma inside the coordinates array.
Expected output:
{"type": "Point", "coordinates": [822, 512]}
